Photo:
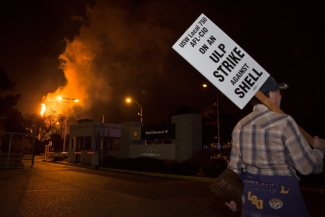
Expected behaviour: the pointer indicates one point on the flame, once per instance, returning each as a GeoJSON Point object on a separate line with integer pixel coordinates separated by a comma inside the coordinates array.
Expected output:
{"type": "Point", "coordinates": [43, 109]}
{"type": "Point", "coordinates": [99, 61]}
{"type": "Point", "coordinates": [78, 67]}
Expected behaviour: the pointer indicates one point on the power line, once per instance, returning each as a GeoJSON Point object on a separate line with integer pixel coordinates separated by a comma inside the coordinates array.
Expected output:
{"type": "Point", "coordinates": [36, 101]}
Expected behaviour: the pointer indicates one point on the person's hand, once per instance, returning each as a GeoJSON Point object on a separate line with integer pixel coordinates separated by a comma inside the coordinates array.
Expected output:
{"type": "Point", "coordinates": [232, 205]}
{"type": "Point", "coordinates": [319, 143]}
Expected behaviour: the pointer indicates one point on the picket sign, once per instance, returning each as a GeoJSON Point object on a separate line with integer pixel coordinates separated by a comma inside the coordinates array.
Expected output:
{"type": "Point", "coordinates": [225, 64]}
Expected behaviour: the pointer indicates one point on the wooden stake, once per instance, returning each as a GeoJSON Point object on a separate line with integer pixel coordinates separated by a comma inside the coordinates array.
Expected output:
{"type": "Point", "coordinates": [268, 103]}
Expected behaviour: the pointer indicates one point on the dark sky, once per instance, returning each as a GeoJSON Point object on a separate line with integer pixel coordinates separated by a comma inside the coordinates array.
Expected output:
{"type": "Point", "coordinates": [103, 51]}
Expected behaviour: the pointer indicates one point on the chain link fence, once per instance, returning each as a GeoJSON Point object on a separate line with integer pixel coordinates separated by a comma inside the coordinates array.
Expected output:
{"type": "Point", "coordinates": [16, 150]}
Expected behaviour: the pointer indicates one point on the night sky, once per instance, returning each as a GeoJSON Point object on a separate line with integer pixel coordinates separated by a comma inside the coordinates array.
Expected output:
{"type": "Point", "coordinates": [104, 51]}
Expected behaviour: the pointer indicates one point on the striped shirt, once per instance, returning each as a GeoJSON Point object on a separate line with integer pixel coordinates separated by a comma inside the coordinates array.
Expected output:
{"type": "Point", "coordinates": [268, 143]}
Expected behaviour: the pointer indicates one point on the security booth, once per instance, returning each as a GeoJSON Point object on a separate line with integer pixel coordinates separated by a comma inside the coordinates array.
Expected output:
{"type": "Point", "coordinates": [89, 141]}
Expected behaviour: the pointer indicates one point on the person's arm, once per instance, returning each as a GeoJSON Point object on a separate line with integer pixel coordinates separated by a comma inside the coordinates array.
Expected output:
{"type": "Point", "coordinates": [305, 159]}
{"type": "Point", "coordinates": [235, 160]}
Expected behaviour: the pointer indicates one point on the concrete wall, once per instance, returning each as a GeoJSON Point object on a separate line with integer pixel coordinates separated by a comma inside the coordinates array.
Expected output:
{"type": "Point", "coordinates": [159, 151]}
{"type": "Point", "coordinates": [127, 137]}
{"type": "Point", "coordinates": [188, 138]}
{"type": "Point", "coordinates": [188, 135]}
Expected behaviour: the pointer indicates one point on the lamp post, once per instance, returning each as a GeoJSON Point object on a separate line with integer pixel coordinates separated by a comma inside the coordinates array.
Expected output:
{"type": "Point", "coordinates": [128, 100]}
{"type": "Point", "coordinates": [217, 103]}
{"type": "Point", "coordinates": [66, 118]}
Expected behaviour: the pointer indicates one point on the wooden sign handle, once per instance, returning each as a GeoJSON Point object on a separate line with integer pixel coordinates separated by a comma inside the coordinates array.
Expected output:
{"type": "Point", "coordinates": [268, 103]}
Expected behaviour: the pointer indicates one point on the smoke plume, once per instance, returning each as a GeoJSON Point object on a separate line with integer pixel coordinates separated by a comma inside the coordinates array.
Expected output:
{"type": "Point", "coordinates": [118, 52]}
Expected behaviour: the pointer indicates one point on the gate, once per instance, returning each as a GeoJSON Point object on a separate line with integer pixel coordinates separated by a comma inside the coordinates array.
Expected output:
{"type": "Point", "coordinates": [17, 150]}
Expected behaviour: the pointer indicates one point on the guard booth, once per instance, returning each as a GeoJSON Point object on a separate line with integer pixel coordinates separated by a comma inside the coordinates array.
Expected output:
{"type": "Point", "coordinates": [90, 141]}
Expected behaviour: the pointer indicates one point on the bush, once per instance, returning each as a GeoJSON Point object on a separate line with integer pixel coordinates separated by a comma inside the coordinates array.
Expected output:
{"type": "Point", "coordinates": [215, 167]}
{"type": "Point", "coordinates": [209, 162]}
{"type": "Point", "coordinates": [178, 167]}
{"type": "Point", "coordinates": [144, 164]}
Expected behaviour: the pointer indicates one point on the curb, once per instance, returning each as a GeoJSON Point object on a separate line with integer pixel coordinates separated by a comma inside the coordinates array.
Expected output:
{"type": "Point", "coordinates": [72, 164]}
{"type": "Point", "coordinates": [171, 176]}
{"type": "Point", "coordinates": [192, 178]}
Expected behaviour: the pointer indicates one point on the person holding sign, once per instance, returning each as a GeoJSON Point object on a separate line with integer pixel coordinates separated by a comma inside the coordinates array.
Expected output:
{"type": "Point", "coordinates": [269, 150]}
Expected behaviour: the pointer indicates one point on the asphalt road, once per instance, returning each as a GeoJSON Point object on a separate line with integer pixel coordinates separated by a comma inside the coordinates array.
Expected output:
{"type": "Point", "coordinates": [50, 189]}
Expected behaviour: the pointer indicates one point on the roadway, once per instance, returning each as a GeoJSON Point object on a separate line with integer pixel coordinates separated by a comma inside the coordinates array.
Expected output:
{"type": "Point", "coordinates": [52, 189]}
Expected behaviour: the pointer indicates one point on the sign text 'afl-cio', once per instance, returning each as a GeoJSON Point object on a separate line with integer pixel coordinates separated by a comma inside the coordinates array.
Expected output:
{"type": "Point", "coordinates": [224, 63]}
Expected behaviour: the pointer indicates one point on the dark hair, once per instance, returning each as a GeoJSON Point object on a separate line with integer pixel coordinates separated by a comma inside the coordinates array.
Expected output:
{"type": "Point", "coordinates": [255, 101]}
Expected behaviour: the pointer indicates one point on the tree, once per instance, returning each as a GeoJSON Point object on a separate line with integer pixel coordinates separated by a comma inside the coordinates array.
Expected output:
{"type": "Point", "coordinates": [43, 127]}
{"type": "Point", "coordinates": [56, 140]}
{"type": "Point", "coordinates": [10, 118]}
{"type": "Point", "coordinates": [226, 123]}
{"type": "Point", "coordinates": [5, 82]}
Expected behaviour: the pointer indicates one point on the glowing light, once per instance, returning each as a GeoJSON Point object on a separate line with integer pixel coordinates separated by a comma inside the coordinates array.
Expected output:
{"type": "Point", "coordinates": [43, 109]}
{"type": "Point", "coordinates": [129, 100]}
{"type": "Point", "coordinates": [61, 98]}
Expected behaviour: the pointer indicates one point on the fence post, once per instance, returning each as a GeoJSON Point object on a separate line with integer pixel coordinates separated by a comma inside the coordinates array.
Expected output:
{"type": "Point", "coordinates": [21, 151]}
{"type": "Point", "coordinates": [9, 151]}
{"type": "Point", "coordinates": [33, 149]}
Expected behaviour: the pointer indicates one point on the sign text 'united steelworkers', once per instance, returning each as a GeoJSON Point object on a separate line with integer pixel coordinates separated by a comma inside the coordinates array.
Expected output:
{"type": "Point", "coordinates": [224, 63]}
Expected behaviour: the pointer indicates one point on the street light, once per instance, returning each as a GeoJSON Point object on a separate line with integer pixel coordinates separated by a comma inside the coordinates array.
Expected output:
{"type": "Point", "coordinates": [219, 145]}
{"type": "Point", "coordinates": [66, 118]}
{"type": "Point", "coordinates": [128, 100]}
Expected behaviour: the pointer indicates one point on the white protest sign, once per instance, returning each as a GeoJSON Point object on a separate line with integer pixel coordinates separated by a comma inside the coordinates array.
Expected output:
{"type": "Point", "coordinates": [224, 63]}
